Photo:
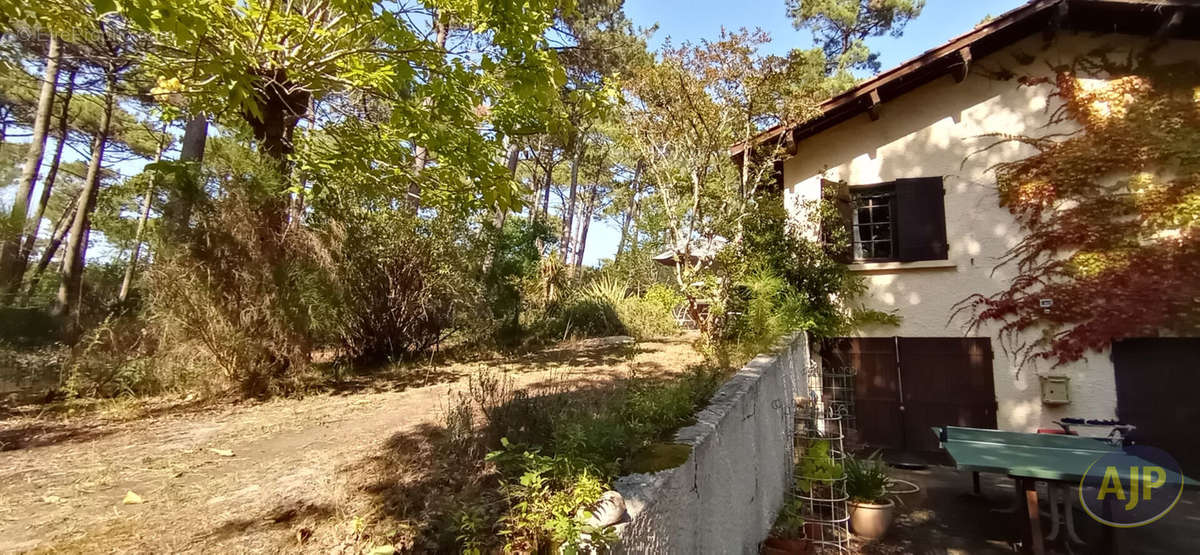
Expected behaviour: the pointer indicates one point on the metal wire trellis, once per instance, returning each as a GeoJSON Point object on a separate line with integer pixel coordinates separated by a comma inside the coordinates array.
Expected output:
{"type": "Point", "coordinates": [820, 477]}
{"type": "Point", "coordinates": [837, 392]}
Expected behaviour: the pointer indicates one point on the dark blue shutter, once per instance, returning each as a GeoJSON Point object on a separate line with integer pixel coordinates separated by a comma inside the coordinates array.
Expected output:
{"type": "Point", "coordinates": [920, 219]}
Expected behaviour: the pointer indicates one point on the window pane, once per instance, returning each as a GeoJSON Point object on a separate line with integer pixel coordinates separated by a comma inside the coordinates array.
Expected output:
{"type": "Point", "coordinates": [882, 213]}
{"type": "Point", "coordinates": [864, 215]}
{"type": "Point", "coordinates": [873, 225]}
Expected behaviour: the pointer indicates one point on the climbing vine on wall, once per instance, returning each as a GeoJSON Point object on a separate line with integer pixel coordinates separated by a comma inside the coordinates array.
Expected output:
{"type": "Point", "coordinates": [1110, 211]}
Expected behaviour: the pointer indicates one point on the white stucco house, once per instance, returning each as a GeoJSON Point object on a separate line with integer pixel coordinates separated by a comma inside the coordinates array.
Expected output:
{"type": "Point", "coordinates": [929, 230]}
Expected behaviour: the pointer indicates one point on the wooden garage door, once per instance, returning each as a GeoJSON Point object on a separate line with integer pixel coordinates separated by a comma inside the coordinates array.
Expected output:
{"type": "Point", "coordinates": [906, 385]}
{"type": "Point", "coordinates": [946, 382]}
{"type": "Point", "coordinates": [1158, 380]}
{"type": "Point", "coordinates": [876, 386]}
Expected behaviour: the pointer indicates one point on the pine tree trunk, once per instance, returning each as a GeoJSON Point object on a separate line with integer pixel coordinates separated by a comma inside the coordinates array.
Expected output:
{"type": "Point", "coordinates": [5, 111]}
{"type": "Point", "coordinates": [536, 193]}
{"type": "Point", "coordinates": [513, 158]}
{"type": "Point", "coordinates": [631, 210]}
{"type": "Point", "coordinates": [195, 138]}
{"type": "Point", "coordinates": [56, 239]}
{"type": "Point", "coordinates": [545, 192]}
{"type": "Point", "coordinates": [35, 224]}
{"type": "Point", "coordinates": [177, 212]}
{"type": "Point", "coordinates": [569, 215]}
{"type": "Point", "coordinates": [11, 269]}
{"type": "Point", "coordinates": [67, 305]}
{"type": "Point", "coordinates": [137, 246]}
{"type": "Point", "coordinates": [420, 153]}
{"type": "Point", "coordinates": [544, 213]}
{"type": "Point", "coordinates": [624, 230]}
{"type": "Point", "coordinates": [141, 229]}
{"type": "Point", "coordinates": [588, 212]}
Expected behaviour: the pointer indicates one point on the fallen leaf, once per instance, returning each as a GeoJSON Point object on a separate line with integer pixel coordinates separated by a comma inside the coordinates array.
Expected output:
{"type": "Point", "coordinates": [132, 499]}
{"type": "Point", "coordinates": [383, 550]}
{"type": "Point", "coordinates": [53, 499]}
{"type": "Point", "coordinates": [222, 452]}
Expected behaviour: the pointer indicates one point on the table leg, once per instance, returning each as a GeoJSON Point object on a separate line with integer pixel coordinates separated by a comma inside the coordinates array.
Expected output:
{"type": "Point", "coordinates": [1111, 544]}
{"type": "Point", "coordinates": [1033, 530]}
{"type": "Point", "coordinates": [1053, 491]}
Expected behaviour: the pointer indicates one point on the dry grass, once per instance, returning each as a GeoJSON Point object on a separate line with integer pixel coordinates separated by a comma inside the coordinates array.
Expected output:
{"type": "Point", "coordinates": [306, 474]}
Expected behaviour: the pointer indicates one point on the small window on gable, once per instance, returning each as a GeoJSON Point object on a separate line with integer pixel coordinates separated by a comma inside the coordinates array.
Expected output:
{"type": "Point", "coordinates": [902, 220]}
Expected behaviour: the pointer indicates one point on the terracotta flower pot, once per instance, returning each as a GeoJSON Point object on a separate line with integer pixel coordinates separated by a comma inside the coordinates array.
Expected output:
{"type": "Point", "coordinates": [787, 546]}
{"type": "Point", "coordinates": [869, 520]}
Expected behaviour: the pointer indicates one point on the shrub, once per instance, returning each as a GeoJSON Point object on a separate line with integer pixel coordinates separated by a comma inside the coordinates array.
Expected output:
{"type": "Point", "coordinates": [652, 315]}
{"type": "Point", "coordinates": [603, 307]}
{"type": "Point", "coordinates": [652, 409]}
{"type": "Point", "coordinates": [766, 308]}
{"type": "Point", "coordinates": [36, 372]}
{"type": "Point", "coordinates": [111, 359]}
{"type": "Point", "coordinates": [28, 326]}
{"type": "Point", "coordinates": [815, 283]}
{"type": "Point", "coordinates": [512, 278]}
{"type": "Point", "coordinates": [867, 479]}
{"type": "Point", "coordinates": [546, 494]}
{"type": "Point", "coordinates": [637, 268]}
{"type": "Point", "coordinates": [404, 285]}
{"type": "Point", "coordinates": [232, 303]}
{"type": "Point", "coordinates": [557, 452]}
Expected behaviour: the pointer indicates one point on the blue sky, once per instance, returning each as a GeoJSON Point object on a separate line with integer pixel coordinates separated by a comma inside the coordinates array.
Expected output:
{"type": "Point", "coordinates": [692, 20]}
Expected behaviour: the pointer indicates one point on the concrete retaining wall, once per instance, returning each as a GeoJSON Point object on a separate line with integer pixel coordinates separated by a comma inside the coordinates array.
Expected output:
{"type": "Point", "coordinates": [725, 497]}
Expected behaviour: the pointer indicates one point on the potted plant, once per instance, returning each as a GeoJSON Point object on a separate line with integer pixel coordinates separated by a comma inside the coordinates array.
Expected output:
{"type": "Point", "coordinates": [787, 536]}
{"type": "Point", "coordinates": [817, 470]}
{"type": "Point", "coordinates": [871, 511]}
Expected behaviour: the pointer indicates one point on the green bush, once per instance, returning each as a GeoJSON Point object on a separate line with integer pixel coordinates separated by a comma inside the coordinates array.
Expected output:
{"type": "Point", "coordinates": [653, 409]}
{"type": "Point", "coordinates": [603, 307]}
{"type": "Point", "coordinates": [547, 494]}
{"type": "Point", "coordinates": [402, 285]}
{"type": "Point", "coordinates": [232, 307]}
{"type": "Point", "coordinates": [512, 278]}
{"type": "Point", "coordinates": [28, 326]}
{"type": "Point", "coordinates": [789, 523]}
{"type": "Point", "coordinates": [867, 479]}
{"type": "Point", "coordinates": [114, 358]}
{"type": "Point", "coordinates": [556, 453]}
{"type": "Point", "coordinates": [818, 290]}
{"type": "Point", "coordinates": [637, 268]}
{"type": "Point", "coordinates": [652, 315]}
{"type": "Point", "coordinates": [765, 308]}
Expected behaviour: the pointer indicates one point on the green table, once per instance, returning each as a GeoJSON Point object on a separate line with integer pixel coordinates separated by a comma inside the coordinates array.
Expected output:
{"type": "Point", "coordinates": [1029, 458]}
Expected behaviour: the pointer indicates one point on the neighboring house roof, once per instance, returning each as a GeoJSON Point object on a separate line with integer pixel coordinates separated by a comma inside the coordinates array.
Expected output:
{"type": "Point", "coordinates": [699, 250]}
{"type": "Point", "coordinates": [1157, 18]}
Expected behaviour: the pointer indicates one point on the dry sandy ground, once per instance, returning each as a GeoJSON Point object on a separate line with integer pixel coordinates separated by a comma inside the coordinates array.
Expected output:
{"type": "Point", "coordinates": [284, 475]}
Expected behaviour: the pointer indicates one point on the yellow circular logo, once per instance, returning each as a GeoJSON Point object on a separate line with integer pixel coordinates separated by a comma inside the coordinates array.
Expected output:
{"type": "Point", "coordinates": [1132, 487]}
